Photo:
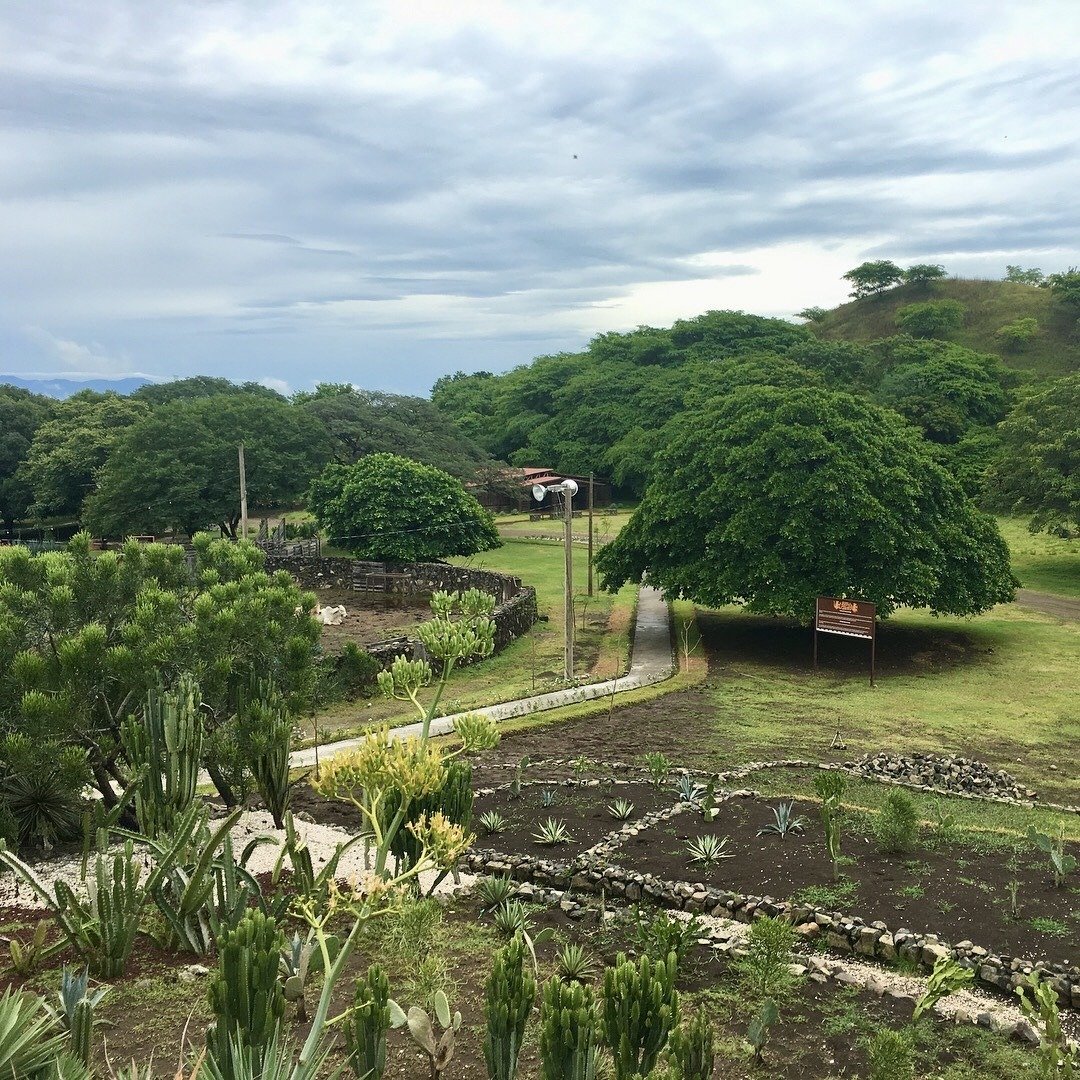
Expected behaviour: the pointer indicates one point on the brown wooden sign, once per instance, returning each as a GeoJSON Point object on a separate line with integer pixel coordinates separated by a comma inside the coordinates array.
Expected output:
{"type": "Point", "coordinates": [852, 618]}
{"type": "Point", "coordinates": [848, 618]}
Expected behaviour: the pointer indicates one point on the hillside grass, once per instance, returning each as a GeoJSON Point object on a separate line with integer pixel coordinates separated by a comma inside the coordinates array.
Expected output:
{"type": "Point", "coordinates": [1046, 563]}
{"type": "Point", "coordinates": [989, 306]}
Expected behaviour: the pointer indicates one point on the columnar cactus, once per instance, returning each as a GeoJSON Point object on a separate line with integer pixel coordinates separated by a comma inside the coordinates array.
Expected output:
{"type": "Point", "coordinates": [511, 990]}
{"type": "Point", "coordinates": [82, 1026]}
{"type": "Point", "coordinates": [369, 1021]}
{"type": "Point", "coordinates": [568, 1030]}
{"type": "Point", "coordinates": [641, 1007]}
{"type": "Point", "coordinates": [245, 992]}
{"type": "Point", "coordinates": [166, 743]}
{"type": "Point", "coordinates": [693, 1049]}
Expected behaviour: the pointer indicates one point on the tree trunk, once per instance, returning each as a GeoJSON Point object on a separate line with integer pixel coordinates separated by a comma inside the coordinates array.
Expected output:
{"type": "Point", "coordinates": [228, 796]}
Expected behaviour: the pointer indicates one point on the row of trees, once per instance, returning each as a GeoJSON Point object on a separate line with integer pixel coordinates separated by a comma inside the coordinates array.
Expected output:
{"type": "Point", "coordinates": [165, 457]}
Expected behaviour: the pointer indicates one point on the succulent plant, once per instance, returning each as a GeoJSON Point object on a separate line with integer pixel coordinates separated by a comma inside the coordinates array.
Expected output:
{"type": "Point", "coordinates": [552, 832]}
{"type": "Point", "coordinates": [784, 821]}
{"type": "Point", "coordinates": [621, 809]}
{"type": "Point", "coordinates": [574, 964]}
{"type": "Point", "coordinates": [492, 822]}
{"type": "Point", "coordinates": [709, 849]}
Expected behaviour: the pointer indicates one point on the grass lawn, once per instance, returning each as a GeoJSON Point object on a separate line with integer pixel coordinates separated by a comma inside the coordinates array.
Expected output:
{"type": "Point", "coordinates": [1040, 561]}
{"type": "Point", "coordinates": [533, 663]}
{"type": "Point", "coordinates": [1001, 687]}
{"type": "Point", "coordinates": [605, 526]}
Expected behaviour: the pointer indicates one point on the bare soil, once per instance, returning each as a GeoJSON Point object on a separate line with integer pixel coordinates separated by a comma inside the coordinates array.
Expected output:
{"type": "Point", "coordinates": [950, 890]}
{"type": "Point", "coordinates": [370, 617]}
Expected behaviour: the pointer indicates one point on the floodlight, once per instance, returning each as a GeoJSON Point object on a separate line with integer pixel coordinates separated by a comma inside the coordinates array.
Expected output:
{"type": "Point", "coordinates": [539, 491]}
{"type": "Point", "coordinates": [570, 487]}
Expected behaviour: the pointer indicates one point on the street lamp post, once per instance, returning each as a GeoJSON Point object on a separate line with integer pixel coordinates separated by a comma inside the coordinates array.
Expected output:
{"type": "Point", "coordinates": [568, 489]}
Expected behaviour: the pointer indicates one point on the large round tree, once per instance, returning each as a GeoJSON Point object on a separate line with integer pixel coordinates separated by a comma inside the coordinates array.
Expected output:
{"type": "Point", "coordinates": [391, 509]}
{"type": "Point", "coordinates": [771, 496]}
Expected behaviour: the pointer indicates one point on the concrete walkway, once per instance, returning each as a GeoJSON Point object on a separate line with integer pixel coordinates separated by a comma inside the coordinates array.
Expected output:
{"type": "Point", "coordinates": [652, 661]}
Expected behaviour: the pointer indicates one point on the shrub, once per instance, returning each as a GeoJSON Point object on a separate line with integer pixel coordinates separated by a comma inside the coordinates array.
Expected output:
{"type": "Point", "coordinates": [765, 970]}
{"type": "Point", "coordinates": [355, 670]}
{"type": "Point", "coordinates": [934, 318]}
{"type": "Point", "coordinates": [891, 1054]}
{"type": "Point", "coordinates": [897, 826]}
{"type": "Point", "coordinates": [1016, 335]}
{"type": "Point", "coordinates": [663, 935]}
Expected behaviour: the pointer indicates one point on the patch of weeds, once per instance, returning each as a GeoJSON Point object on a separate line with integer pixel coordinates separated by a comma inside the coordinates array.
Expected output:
{"type": "Point", "coordinates": [904, 966]}
{"type": "Point", "coordinates": [945, 906]}
{"type": "Point", "coordinates": [845, 1015]}
{"type": "Point", "coordinates": [835, 896]}
{"type": "Point", "coordinates": [1050, 927]}
{"type": "Point", "coordinates": [912, 892]}
{"type": "Point", "coordinates": [916, 867]}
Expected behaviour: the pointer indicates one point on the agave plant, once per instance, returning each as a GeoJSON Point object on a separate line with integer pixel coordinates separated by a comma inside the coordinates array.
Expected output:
{"type": "Point", "coordinates": [688, 790]}
{"type": "Point", "coordinates": [709, 849]}
{"type": "Point", "coordinates": [547, 798]}
{"type": "Point", "coordinates": [573, 964]}
{"type": "Point", "coordinates": [494, 890]}
{"type": "Point", "coordinates": [784, 821]}
{"type": "Point", "coordinates": [492, 822]}
{"type": "Point", "coordinates": [29, 1040]}
{"type": "Point", "coordinates": [552, 832]}
{"type": "Point", "coordinates": [621, 809]}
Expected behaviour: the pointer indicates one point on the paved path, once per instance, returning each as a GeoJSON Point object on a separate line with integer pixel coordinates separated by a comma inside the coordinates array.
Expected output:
{"type": "Point", "coordinates": [652, 662]}
{"type": "Point", "coordinates": [1064, 607]}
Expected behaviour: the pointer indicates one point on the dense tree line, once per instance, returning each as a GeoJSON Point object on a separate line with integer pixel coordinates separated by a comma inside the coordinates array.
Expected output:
{"type": "Point", "coordinates": [165, 457]}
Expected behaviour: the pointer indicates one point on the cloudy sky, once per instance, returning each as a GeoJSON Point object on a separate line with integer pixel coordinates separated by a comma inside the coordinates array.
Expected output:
{"type": "Point", "coordinates": [382, 193]}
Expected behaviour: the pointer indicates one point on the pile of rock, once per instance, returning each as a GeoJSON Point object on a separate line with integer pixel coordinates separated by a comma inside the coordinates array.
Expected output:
{"type": "Point", "coordinates": [955, 775]}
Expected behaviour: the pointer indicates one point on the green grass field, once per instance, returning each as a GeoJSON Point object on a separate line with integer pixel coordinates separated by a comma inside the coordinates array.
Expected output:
{"type": "Point", "coordinates": [1040, 561]}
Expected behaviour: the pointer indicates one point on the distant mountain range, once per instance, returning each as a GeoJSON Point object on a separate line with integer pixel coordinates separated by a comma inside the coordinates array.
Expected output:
{"type": "Point", "coordinates": [62, 388]}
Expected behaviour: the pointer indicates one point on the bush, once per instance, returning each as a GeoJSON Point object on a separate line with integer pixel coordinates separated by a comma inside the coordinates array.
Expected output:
{"type": "Point", "coordinates": [355, 670]}
{"type": "Point", "coordinates": [1015, 336]}
{"type": "Point", "coordinates": [765, 970]}
{"type": "Point", "coordinates": [891, 1055]}
{"type": "Point", "coordinates": [897, 826]}
{"type": "Point", "coordinates": [934, 318]}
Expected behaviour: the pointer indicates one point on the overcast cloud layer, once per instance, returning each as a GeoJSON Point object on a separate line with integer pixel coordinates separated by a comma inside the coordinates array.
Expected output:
{"type": "Point", "coordinates": [312, 191]}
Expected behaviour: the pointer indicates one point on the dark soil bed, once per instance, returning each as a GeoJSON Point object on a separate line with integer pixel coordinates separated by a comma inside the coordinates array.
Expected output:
{"type": "Point", "coordinates": [370, 617]}
{"type": "Point", "coordinates": [582, 809]}
{"type": "Point", "coordinates": [953, 891]}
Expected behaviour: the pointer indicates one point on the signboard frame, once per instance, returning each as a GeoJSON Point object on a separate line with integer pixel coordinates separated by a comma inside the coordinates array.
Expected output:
{"type": "Point", "coordinates": [846, 617]}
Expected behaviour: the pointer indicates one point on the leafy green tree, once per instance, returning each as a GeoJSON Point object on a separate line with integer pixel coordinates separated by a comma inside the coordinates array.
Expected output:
{"type": "Point", "coordinates": [934, 318]}
{"type": "Point", "coordinates": [177, 468]}
{"type": "Point", "coordinates": [1038, 471]}
{"type": "Point", "coordinates": [84, 635]}
{"type": "Point", "coordinates": [812, 314]}
{"type": "Point", "coordinates": [869, 278]}
{"type": "Point", "coordinates": [1032, 276]}
{"type": "Point", "coordinates": [923, 273]}
{"type": "Point", "coordinates": [388, 508]}
{"type": "Point", "coordinates": [771, 497]}
{"type": "Point", "coordinates": [21, 414]}
{"type": "Point", "coordinates": [68, 451]}
{"type": "Point", "coordinates": [365, 422]}
{"type": "Point", "coordinates": [1065, 287]}
{"type": "Point", "coordinates": [1016, 335]}
{"type": "Point", "coordinates": [947, 392]}
{"type": "Point", "coordinates": [971, 460]}
{"type": "Point", "coordinates": [199, 386]}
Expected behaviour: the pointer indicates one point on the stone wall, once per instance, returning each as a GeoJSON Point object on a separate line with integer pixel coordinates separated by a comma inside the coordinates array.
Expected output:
{"type": "Point", "coordinates": [515, 604]}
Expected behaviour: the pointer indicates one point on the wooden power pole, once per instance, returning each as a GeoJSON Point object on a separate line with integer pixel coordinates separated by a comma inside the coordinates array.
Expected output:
{"type": "Point", "coordinates": [590, 531]}
{"type": "Point", "coordinates": [243, 494]}
{"type": "Point", "coordinates": [568, 649]}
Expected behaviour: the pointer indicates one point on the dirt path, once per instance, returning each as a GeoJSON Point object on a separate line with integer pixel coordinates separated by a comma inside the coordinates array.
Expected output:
{"type": "Point", "coordinates": [1063, 607]}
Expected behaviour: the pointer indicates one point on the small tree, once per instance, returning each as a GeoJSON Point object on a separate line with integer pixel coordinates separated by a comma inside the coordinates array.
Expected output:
{"type": "Point", "coordinates": [812, 314]}
{"type": "Point", "coordinates": [1017, 335]}
{"type": "Point", "coordinates": [386, 507]}
{"type": "Point", "coordinates": [1065, 287]}
{"type": "Point", "coordinates": [1031, 276]}
{"type": "Point", "coordinates": [923, 273]}
{"type": "Point", "coordinates": [869, 278]}
{"type": "Point", "coordinates": [934, 318]}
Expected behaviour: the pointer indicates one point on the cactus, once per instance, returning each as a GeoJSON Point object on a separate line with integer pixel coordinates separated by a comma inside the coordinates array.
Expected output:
{"type": "Point", "coordinates": [440, 1051]}
{"type": "Point", "coordinates": [372, 1015]}
{"type": "Point", "coordinates": [641, 1007]}
{"type": "Point", "coordinates": [568, 1029]}
{"type": "Point", "coordinates": [166, 745]}
{"type": "Point", "coordinates": [245, 993]}
{"type": "Point", "coordinates": [510, 993]}
{"type": "Point", "coordinates": [269, 730]}
{"type": "Point", "coordinates": [453, 799]}
{"type": "Point", "coordinates": [81, 1027]}
{"type": "Point", "coordinates": [693, 1049]}
{"type": "Point", "coordinates": [76, 1010]}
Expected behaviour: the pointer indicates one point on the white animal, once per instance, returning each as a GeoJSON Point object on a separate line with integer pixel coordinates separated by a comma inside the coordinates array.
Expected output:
{"type": "Point", "coordinates": [331, 616]}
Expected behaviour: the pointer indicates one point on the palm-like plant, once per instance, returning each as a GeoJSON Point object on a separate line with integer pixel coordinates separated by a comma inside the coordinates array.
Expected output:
{"type": "Point", "coordinates": [784, 821]}
{"type": "Point", "coordinates": [494, 890]}
{"type": "Point", "coordinates": [573, 964]}
{"type": "Point", "coordinates": [29, 1038]}
{"type": "Point", "coordinates": [493, 822]}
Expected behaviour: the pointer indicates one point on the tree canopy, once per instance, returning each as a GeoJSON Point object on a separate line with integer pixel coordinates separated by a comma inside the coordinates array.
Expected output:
{"type": "Point", "coordinates": [388, 508]}
{"type": "Point", "coordinates": [68, 451]}
{"type": "Point", "coordinates": [177, 467]}
{"type": "Point", "coordinates": [21, 414]}
{"type": "Point", "coordinates": [772, 496]}
{"type": "Point", "coordinates": [873, 277]}
{"type": "Point", "coordinates": [1038, 471]}
{"type": "Point", "coordinates": [930, 319]}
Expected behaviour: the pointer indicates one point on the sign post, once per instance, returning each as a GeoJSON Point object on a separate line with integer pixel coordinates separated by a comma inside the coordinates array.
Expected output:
{"type": "Point", "coordinates": [848, 618]}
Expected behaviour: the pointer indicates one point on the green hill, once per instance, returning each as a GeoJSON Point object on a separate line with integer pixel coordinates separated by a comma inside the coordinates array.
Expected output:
{"type": "Point", "coordinates": [989, 305]}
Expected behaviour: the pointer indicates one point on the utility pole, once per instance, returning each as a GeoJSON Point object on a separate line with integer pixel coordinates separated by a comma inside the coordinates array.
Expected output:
{"type": "Point", "coordinates": [568, 653]}
{"type": "Point", "coordinates": [243, 494]}
{"type": "Point", "coordinates": [590, 530]}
